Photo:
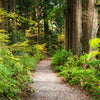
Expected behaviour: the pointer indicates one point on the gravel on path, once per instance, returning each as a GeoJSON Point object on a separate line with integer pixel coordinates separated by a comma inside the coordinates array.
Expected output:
{"type": "Point", "coordinates": [48, 86]}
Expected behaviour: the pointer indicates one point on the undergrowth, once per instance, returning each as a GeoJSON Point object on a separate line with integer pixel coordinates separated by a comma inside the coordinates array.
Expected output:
{"type": "Point", "coordinates": [83, 70]}
{"type": "Point", "coordinates": [16, 63]}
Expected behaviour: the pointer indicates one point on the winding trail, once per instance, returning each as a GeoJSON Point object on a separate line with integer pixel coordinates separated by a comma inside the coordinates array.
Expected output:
{"type": "Point", "coordinates": [50, 87]}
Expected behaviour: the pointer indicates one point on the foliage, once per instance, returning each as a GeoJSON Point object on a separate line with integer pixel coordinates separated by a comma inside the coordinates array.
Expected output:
{"type": "Point", "coordinates": [14, 74]}
{"type": "Point", "coordinates": [83, 70]}
{"type": "Point", "coordinates": [54, 44]}
{"type": "Point", "coordinates": [37, 51]}
{"type": "Point", "coordinates": [95, 44]}
{"type": "Point", "coordinates": [60, 57]}
{"type": "Point", "coordinates": [14, 71]}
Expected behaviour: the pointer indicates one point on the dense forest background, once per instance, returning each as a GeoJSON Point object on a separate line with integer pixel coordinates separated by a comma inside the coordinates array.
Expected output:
{"type": "Point", "coordinates": [31, 30]}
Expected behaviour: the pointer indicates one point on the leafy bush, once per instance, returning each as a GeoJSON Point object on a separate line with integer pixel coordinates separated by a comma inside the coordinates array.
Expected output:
{"type": "Point", "coordinates": [83, 70]}
{"type": "Point", "coordinates": [14, 74]}
{"type": "Point", "coordinates": [15, 66]}
{"type": "Point", "coordinates": [28, 61]}
{"type": "Point", "coordinates": [59, 68]}
{"type": "Point", "coordinates": [60, 57]}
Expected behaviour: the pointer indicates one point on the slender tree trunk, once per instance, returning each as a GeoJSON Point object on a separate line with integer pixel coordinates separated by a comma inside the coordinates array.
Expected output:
{"type": "Point", "coordinates": [39, 42]}
{"type": "Point", "coordinates": [12, 25]}
{"type": "Point", "coordinates": [38, 21]}
{"type": "Point", "coordinates": [46, 27]}
{"type": "Point", "coordinates": [90, 26]}
{"type": "Point", "coordinates": [5, 7]}
{"type": "Point", "coordinates": [1, 18]}
{"type": "Point", "coordinates": [66, 42]}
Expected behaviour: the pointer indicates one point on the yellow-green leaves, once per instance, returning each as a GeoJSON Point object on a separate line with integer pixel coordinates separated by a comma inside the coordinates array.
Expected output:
{"type": "Point", "coordinates": [94, 43]}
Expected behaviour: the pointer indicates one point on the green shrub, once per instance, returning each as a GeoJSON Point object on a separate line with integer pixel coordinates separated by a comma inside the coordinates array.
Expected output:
{"type": "Point", "coordinates": [28, 61]}
{"type": "Point", "coordinates": [59, 68]}
{"type": "Point", "coordinates": [60, 57]}
{"type": "Point", "coordinates": [14, 74]}
{"type": "Point", "coordinates": [83, 70]}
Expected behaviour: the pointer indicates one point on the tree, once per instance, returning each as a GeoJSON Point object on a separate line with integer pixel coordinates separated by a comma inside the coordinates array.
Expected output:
{"type": "Point", "coordinates": [66, 33]}
{"type": "Point", "coordinates": [74, 26]}
{"type": "Point", "coordinates": [38, 20]}
{"type": "Point", "coordinates": [1, 17]}
{"type": "Point", "coordinates": [46, 26]}
{"type": "Point", "coordinates": [12, 22]}
{"type": "Point", "coordinates": [90, 26]}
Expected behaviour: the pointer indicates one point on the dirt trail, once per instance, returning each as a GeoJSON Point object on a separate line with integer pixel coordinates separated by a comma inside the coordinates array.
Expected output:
{"type": "Point", "coordinates": [48, 86]}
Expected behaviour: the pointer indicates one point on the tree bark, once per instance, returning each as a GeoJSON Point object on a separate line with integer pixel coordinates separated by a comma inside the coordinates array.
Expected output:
{"type": "Point", "coordinates": [74, 26]}
{"type": "Point", "coordinates": [46, 27]}
{"type": "Point", "coordinates": [77, 26]}
{"type": "Point", "coordinates": [90, 26]}
{"type": "Point", "coordinates": [12, 25]}
{"type": "Point", "coordinates": [38, 21]}
{"type": "Point", "coordinates": [66, 46]}
{"type": "Point", "coordinates": [1, 17]}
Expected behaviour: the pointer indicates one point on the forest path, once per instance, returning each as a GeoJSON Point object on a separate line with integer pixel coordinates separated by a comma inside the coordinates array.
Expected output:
{"type": "Point", "coordinates": [48, 86]}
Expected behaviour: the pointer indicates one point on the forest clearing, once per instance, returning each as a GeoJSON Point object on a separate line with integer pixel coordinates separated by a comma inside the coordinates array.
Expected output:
{"type": "Point", "coordinates": [49, 49]}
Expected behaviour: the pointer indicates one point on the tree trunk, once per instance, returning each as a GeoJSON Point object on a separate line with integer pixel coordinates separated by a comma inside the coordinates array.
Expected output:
{"type": "Point", "coordinates": [5, 7]}
{"type": "Point", "coordinates": [46, 27]}
{"type": "Point", "coordinates": [77, 26]}
{"type": "Point", "coordinates": [1, 18]}
{"type": "Point", "coordinates": [90, 26]}
{"type": "Point", "coordinates": [66, 42]}
{"type": "Point", "coordinates": [12, 25]}
{"type": "Point", "coordinates": [74, 26]}
{"type": "Point", "coordinates": [38, 21]}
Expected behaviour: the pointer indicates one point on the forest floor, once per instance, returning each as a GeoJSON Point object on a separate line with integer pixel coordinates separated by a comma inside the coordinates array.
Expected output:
{"type": "Point", "coordinates": [48, 86]}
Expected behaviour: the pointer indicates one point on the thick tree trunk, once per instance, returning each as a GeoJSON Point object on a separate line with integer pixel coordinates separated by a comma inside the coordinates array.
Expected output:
{"type": "Point", "coordinates": [90, 26]}
{"type": "Point", "coordinates": [74, 26]}
{"type": "Point", "coordinates": [77, 26]}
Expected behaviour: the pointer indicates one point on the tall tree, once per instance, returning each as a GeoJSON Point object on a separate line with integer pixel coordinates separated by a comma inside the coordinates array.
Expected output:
{"type": "Point", "coordinates": [66, 33]}
{"type": "Point", "coordinates": [38, 20]}
{"type": "Point", "coordinates": [12, 25]}
{"type": "Point", "coordinates": [1, 17]}
{"type": "Point", "coordinates": [74, 25]}
{"type": "Point", "coordinates": [90, 26]}
{"type": "Point", "coordinates": [46, 26]}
